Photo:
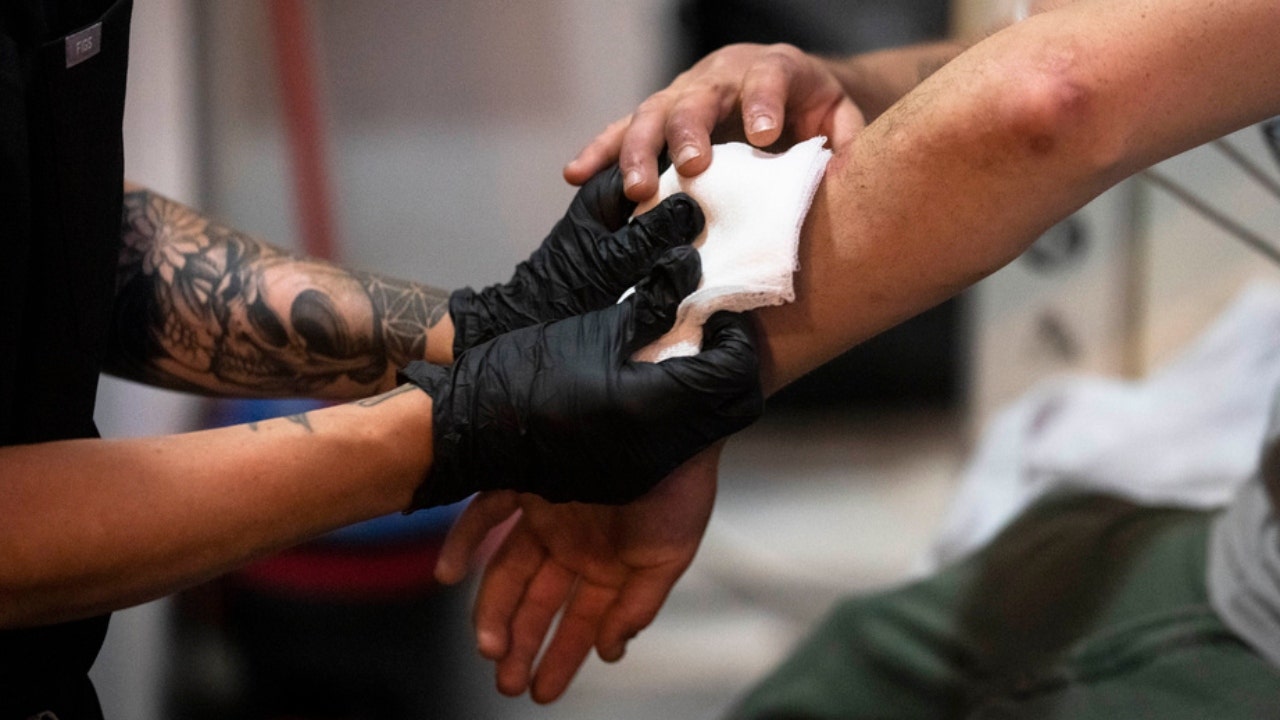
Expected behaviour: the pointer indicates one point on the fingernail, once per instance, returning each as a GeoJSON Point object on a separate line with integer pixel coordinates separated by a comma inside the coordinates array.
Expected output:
{"type": "Point", "coordinates": [488, 643]}
{"type": "Point", "coordinates": [632, 178]}
{"type": "Point", "coordinates": [444, 573]}
{"type": "Point", "coordinates": [687, 153]}
{"type": "Point", "coordinates": [762, 123]}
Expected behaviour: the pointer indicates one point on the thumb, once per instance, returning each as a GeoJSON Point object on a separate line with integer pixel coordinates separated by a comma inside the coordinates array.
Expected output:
{"type": "Point", "coordinates": [462, 545]}
{"type": "Point", "coordinates": [729, 356]}
{"type": "Point", "coordinates": [726, 374]}
{"type": "Point", "coordinates": [652, 308]}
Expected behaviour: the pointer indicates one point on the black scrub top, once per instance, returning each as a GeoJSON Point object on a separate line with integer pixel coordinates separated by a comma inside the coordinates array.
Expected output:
{"type": "Point", "coordinates": [62, 80]}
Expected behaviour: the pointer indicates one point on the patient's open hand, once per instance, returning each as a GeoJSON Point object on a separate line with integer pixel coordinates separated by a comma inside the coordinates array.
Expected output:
{"type": "Point", "coordinates": [609, 567]}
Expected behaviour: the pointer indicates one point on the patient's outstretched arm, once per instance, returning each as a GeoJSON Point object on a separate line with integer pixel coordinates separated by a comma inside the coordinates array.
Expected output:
{"type": "Point", "coordinates": [948, 185]}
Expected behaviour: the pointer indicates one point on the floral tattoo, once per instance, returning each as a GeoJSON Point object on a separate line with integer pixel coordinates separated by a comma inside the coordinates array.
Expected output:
{"type": "Point", "coordinates": [202, 307]}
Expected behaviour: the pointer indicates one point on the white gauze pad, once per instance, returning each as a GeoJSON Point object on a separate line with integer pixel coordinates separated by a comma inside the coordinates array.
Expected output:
{"type": "Point", "coordinates": [754, 203]}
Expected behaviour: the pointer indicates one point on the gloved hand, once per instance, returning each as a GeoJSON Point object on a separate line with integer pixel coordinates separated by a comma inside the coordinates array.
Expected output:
{"type": "Point", "coordinates": [560, 410]}
{"type": "Point", "coordinates": [590, 258]}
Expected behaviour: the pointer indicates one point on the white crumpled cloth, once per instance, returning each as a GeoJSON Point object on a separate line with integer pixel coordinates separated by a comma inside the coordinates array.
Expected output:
{"type": "Point", "coordinates": [1188, 435]}
{"type": "Point", "coordinates": [754, 203]}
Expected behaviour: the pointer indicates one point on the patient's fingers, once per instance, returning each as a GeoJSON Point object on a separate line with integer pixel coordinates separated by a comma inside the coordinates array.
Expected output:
{"type": "Point", "coordinates": [599, 154]}
{"type": "Point", "coordinates": [637, 604]}
{"type": "Point", "coordinates": [847, 121]}
{"type": "Point", "coordinates": [765, 88]}
{"type": "Point", "coordinates": [836, 117]}
{"type": "Point", "coordinates": [690, 122]}
{"type": "Point", "coordinates": [573, 640]}
{"type": "Point", "coordinates": [485, 512]}
{"type": "Point", "coordinates": [502, 589]}
{"type": "Point", "coordinates": [543, 598]}
{"type": "Point", "coordinates": [641, 144]}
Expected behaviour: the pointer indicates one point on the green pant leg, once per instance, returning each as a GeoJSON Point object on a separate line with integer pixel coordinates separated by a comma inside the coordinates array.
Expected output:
{"type": "Point", "coordinates": [897, 654]}
{"type": "Point", "coordinates": [980, 636]}
{"type": "Point", "coordinates": [1209, 677]}
{"type": "Point", "coordinates": [1155, 648]}
{"type": "Point", "coordinates": [934, 648]}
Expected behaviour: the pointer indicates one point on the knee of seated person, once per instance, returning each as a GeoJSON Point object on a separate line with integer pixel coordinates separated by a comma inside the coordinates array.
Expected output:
{"type": "Point", "coordinates": [885, 620]}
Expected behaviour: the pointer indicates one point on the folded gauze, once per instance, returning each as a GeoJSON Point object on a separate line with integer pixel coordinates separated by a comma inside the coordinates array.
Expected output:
{"type": "Point", "coordinates": [754, 203]}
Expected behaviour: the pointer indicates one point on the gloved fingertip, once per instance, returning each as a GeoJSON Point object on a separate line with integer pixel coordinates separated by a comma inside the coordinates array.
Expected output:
{"type": "Point", "coordinates": [725, 323]}
{"type": "Point", "coordinates": [675, 274]}
{"type": "Point", "coordinates": [732, 338]}
{"type": "Point", "coordinates": [603, 197]}
{"type": "Point", "coordinates": [687, 216]}
{"type": "Point", "coordinates": [605, 182]}
{"type": "Point", "coordinates": [676, 220]}
{"type": "Point", "coordinates": [652, 308]}
{"type": "Point", "coordinates": [611, 185]}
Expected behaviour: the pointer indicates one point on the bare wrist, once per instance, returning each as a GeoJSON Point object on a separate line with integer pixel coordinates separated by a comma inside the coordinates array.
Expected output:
{"type": "Point", "coordinates": [440, 342]}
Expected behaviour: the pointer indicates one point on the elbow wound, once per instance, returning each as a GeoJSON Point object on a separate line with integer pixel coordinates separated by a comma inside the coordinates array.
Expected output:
{"type": "Point", "coordinates": [1051, 112]}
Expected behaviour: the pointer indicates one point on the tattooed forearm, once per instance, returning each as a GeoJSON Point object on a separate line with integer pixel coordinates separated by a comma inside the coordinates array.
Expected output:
{"type": "Point", "coordinates": [200, 306]}
{"type": "Point", "coordinates": [405, 311]}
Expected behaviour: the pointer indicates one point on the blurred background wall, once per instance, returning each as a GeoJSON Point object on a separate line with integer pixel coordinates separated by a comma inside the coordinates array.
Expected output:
{"type": "Point", "coordinates": [446, 124]}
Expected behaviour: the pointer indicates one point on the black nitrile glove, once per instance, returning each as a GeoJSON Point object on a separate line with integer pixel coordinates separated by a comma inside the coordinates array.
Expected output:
{"type": "Point", "coordinates": [561, 410]}
{"type": "Point", "coordinates": [590, 258]}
